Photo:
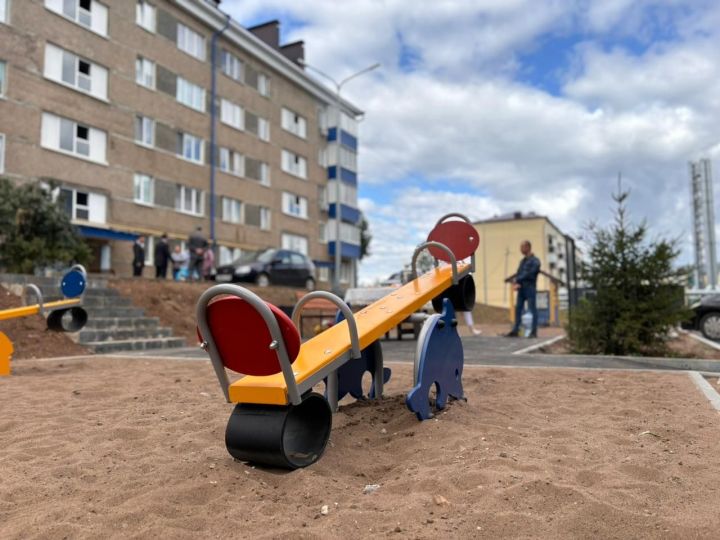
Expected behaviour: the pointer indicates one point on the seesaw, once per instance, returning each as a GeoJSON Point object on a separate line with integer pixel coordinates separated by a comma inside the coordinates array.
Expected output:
{"type": "Point", "coordinates": [278, 420]}
{"type": "Point", "coordinates": [64, 315]}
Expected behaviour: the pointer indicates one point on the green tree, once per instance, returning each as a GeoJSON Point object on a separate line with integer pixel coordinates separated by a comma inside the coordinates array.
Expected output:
{"type": "Point", "coordinates": [365, 237]}
{"type": "Point", "coordinates": [34, 231]}
{"type": "Point", "coordinates": [638, 291]}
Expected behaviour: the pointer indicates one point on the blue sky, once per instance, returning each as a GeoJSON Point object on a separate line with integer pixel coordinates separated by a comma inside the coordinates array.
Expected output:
{"type": "Point", "coordinates": [492, 106]}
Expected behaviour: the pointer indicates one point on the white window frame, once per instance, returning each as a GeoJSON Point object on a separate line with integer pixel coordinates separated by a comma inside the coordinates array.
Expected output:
{"type": "Point", "coordinates": [231, 65]}
{"type": "Point", "coordinates": [58, 6]}
{"type": "Point", "coordinates": [322, 232]}
{"type": "Point", "coordinates": [190, 94]}
{"type": "Point", "coordinates": [4, 11]}
{"type": "Point", "coordinates": [294, 123]}
{"type": "Point", "coordinates": [290, 242]}
{"type": "Point", "coordinates": [145, 72]}
{"type": "Point", "coordinates": [231, 162]}
{"type": "Point", "coordinates": [143, 189]}
{"type": "Point", "coordinates": [196, 198]}
{"type": "Point", "coordinates": [94, 83]}
{"type": "Point", "coordinates": [147, 130]}
{"type": "Point", "coordinates": [146, 15]}
{"type": "Point", "coordinates": [97, 197]}
{"type": "Point", "coordinates": [294, 164]}
{"type": "Point", "coordinates": [263, 129]}
{"type": "Point", "coordinates": [232, 210]}
{"type": "Point", "coordinates": [194, 143]}
{"type": "Point", "coordinates": [263, 84]}
{"type": "Point", "coordinates": [294, 205]}
{"type": "Point", "coordinates": [323, 273]}
{"type": "Point", "coordinates": [191, 42]}
{"type": "Point", "coordinates": [264, 174]}
{"type": "Point", "coordinates": [2, 153]}
{"type": "Point", "coordinates": [92, 147]}
{"type": "Point", "coordinates": [231, 114]}
{"type": "Point", "coordinates": [265, 218]}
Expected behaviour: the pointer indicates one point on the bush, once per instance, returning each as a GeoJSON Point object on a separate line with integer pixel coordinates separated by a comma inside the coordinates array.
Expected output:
{"type": "Point", "coordinates": [34, 230]}
{"type": "Point", "coordinates": [638, 296]}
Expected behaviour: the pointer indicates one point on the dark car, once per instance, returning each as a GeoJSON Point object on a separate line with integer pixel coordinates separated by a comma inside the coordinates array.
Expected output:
{"type": "Point", "coordinates": [706, 316]}
{"type": "Point", "coordinates": [276, 266]}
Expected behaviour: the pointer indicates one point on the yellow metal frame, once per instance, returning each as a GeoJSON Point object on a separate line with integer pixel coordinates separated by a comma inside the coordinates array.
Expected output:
{"type": "Point", "coordinates": [6, 350]}
{"type": "Point", "coordinates": [25, 311]}
{"type": "Point", "coordinates": [373, 323]}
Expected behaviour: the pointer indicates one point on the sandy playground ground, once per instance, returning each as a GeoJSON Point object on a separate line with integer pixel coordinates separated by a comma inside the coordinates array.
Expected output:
{"type": "Point", "coordinates": [133, 448]}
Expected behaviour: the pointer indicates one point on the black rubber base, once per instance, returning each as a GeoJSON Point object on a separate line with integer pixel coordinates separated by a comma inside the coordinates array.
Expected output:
{"type": "Point", "coordinates": [461, 295]}
{"type": "Point", "coordinates": [289, 437]}
{"type": "Point", "coordinates": [67, 320]}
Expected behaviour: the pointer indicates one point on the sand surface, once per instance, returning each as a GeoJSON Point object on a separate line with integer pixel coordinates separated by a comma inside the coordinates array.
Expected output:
{"type": "Point", "coordinates": [131, 448]}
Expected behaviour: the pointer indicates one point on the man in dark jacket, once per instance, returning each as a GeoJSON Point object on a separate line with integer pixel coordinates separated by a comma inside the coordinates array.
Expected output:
{"type": "Point", "coordinates": [138, 256]}
{"type": "Point", "coordinates": [162, 257]}
{"type": "Point", "coordinates": [525, 283]}
{"type": "Point", "coordinates": [196, 246]}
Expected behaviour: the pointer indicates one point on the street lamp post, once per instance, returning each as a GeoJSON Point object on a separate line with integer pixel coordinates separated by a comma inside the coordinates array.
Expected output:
{"type": "Point", "coordinates": [338, 109]}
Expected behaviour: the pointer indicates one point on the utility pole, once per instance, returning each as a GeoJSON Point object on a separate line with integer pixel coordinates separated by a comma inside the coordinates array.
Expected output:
{"type": "Point", "coordinates": [703, 206]}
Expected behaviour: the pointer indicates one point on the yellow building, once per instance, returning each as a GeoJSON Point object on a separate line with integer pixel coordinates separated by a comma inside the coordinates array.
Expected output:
{"type": "Point", "coordinates": [499, 254]}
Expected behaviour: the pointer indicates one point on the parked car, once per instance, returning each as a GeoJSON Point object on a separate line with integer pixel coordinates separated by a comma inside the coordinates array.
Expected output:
{"type": "Point", "coordinates": [271, 266]}
{"type": "Point", "coordinates": [706, 316]}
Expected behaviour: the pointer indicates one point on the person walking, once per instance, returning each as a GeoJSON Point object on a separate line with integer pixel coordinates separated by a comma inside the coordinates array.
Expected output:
{"type": "Point", "coordinates": [197, 243]}
{"type": "Point", "coordinates": [180, 260]}
{"type": "Point", "coordinates": [162, 257]}
{"type": "Point", "coordinates": [138, 262]}
{"type": "Point", "coordinates": [525, 284]}
{"type": "Point", "coordinates": [208, 263]}
{"type": "Point", "coordinates": [468, 317]}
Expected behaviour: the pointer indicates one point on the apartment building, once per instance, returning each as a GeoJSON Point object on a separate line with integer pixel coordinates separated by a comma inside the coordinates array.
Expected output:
{"type": "Point", "coordinates": [115, 103]}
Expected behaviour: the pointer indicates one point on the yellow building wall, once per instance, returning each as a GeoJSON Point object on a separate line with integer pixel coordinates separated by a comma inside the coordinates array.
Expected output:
{"type": "Point", "coordinates": [499, 255]}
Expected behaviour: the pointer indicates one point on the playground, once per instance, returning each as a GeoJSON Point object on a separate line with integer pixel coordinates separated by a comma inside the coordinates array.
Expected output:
{"type": "Point", "coordinates": [133, 447]}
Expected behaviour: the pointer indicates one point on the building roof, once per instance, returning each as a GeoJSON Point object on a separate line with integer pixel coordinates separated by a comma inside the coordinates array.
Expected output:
{"type": "Point", "coordinates": [518, 216]}
{"type": "Point", "coordinates": [210, 14]}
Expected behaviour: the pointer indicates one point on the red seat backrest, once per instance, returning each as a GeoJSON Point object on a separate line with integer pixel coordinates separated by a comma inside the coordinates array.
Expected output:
{"type": "Point", "coordinates": [459, 236]}
{"type": "Point", "coordinates": [243, 339]}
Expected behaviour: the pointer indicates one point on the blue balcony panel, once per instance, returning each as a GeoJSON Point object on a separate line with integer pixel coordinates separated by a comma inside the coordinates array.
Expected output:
{"type": "Point", "coordinates": [348, 251]}
{"type": "Point", "coordinates": [346, 175]}
{"type": "Point", "coordinates": [346, 139]}
{"type": "Point", "coordinates": [347, 213]}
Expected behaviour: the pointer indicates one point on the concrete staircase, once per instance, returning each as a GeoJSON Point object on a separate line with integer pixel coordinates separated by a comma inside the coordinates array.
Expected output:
{"type": "Point", "coordinates": [114, 324]}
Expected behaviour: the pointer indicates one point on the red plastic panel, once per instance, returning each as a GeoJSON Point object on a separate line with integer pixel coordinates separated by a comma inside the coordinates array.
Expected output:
{"type": "Point", "coordinates": [243, 338]}
{"type": "Point", "coordinates": [459, 236]}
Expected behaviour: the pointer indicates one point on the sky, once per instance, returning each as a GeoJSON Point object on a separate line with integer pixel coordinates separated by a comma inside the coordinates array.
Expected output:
{"type": "Point", "coordinates": [493, 106]}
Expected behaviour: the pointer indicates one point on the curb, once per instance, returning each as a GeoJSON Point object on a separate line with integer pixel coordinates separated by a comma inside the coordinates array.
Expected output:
{"type": "Point", "coordinates": [707, 389]}
{"type": "Point", "coordinates": [540, 345]}
{"type": "Point", "coordinates": [701, 339]}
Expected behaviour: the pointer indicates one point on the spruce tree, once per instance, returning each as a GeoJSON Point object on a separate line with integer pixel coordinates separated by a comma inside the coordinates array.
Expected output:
{"type": "Point", "coordinates": [637, 293]}
{"type": "Point", "coordinates": [34, 230]}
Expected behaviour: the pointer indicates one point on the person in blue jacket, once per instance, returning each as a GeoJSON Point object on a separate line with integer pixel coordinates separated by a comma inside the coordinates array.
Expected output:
{"type": "Point", "coordinates": [525, 283]}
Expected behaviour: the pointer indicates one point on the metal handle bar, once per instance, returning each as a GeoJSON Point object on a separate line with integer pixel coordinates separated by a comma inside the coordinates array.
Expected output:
{"type": "Point", "coordinates": [446, 249]}
{"type": "Point", "coordinates": [38, 294]}
{"type": "Point", "coordinates": [342, 306]}
{"type": "Point", "coordinates": [454, 214]}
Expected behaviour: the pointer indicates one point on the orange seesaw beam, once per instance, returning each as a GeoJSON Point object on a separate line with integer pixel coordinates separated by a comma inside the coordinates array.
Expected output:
{"type": "Point", "coordinates": [25, 311]}
{"type": "Point", "coordinates": [373, 322]}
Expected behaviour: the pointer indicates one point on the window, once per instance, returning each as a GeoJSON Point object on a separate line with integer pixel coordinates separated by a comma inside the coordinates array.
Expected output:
{"type": "Point", "coordinates": [231, 65]}
{"type": "Point", "coordinates": [322, 198]}
{"type": "Point", "coordinates": [346, 272]}
{"type": "Point", "coordinates": [2, 153]}
{"type": "Point", "coordinates": [145, 72]}
{"type": "Point", "coordinates": [294, 164]}
{"type": "Point", "coordinates": [228, 255]}
{"type": "Point", "coordinates": [323, 273]}
{"type": "Point", "coordinates": [348, 158]}
{"type": "Point", "coordinates": [88, 13]}
{"type": "Point", "coordinates": [348, 193]}
{"type": "Point", "coordinates": [143, 189]}
{"type": "Point", "coordinates": [263, 84]}
{"type": "Point", "coordinates": [4, 11]}
{"type": "Point", "coordinates": [73, 138]}
{"type": "Point", "coordinates": [231, 114]}
{"type": "Point", "coordinates": [189, 200]}
{"type": "Point", "coordinates": [69, 69]}
{"type": "Point", "coordinates": [83, 205]}
{"type": "Point", "coordinates": [190, 94]}
{"type": "Point", "coordinates": [322, 233]}
{"type": "Point", "coordinates": [295, 242]}
{"type": "Point", "coordinates": [294, 205]}
{"type": "Point", "coordinates": [263, 129]}
{"type": "Point", "coordinates": [231, 210]}
{"type": "Point", "coordinates": [145, 15]}
{"type": "Point", "coordinates": [349, 234]}
{"type": "Point", "coordinates": [145, 130]}
{"type": "Point", "coordinates": [264, 218]}
{"type": "Point", "coordinates": [190, 42]}
{"type": "Point", "coordinates": [294, 123]}
{"type": "Point", "coordinates": [230, 162]}
{"type": "Point", "coordinates": [190, 147]}
{"type": "Point", "coordinates": [2, 76]}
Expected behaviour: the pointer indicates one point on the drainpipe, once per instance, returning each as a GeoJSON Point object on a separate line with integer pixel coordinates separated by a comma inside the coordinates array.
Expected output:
{"type": "Point", "coordinates": [213, 121]}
